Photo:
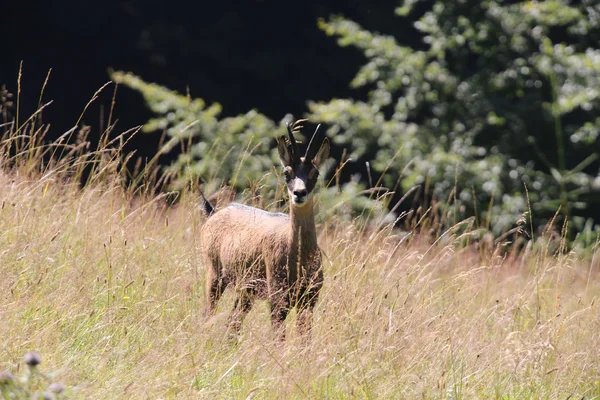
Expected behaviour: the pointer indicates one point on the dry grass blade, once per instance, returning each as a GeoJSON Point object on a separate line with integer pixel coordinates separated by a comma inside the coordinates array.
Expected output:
{"type": "Point", "coordinates": [106, 283]}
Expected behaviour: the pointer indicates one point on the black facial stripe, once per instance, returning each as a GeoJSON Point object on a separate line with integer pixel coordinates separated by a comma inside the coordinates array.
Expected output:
{"type": "Point", "coordinates": [310, 184]}
{"type": "Point", "coordinates": [308, 174]}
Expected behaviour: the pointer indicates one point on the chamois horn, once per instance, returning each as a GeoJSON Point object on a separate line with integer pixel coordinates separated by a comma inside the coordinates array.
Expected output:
{"type": "Point", "coordinates": [311, 150]}
{"type": "Point", "coordinates": [293, 146]}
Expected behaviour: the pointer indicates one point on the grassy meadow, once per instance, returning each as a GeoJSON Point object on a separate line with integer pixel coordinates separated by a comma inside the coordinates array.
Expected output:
{"type": "Point", "coordinates": [106, 282]}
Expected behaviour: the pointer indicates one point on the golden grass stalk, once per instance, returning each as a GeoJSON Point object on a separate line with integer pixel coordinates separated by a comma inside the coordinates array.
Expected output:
{"type": "Point", "coordinates": [105, 281]}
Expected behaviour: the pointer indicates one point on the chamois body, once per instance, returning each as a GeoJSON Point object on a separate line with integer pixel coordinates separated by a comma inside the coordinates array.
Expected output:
{"type": "Point", "coordinates": [265, 255]}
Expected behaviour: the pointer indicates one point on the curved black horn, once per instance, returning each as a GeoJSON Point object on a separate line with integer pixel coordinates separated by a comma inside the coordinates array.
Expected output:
{"type": "Point", "coordinates": [311, 150]}
{"type": "Point", "coordinates": [294, 151]}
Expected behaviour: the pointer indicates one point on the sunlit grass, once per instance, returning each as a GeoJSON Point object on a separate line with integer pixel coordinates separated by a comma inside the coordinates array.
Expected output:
{"type": "Point", "coordinates": [106, 283]}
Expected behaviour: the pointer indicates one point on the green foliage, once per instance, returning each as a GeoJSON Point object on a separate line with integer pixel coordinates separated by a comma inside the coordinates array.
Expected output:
{"type": "Point", "coordinates": [212, 147]}
{"type": "Point", "coordinates": [239, 151]}
{"type": "Point", "coordinates": [499, 96]}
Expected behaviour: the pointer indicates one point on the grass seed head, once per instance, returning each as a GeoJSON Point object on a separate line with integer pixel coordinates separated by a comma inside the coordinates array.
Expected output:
{"type": "Point", "coordinates": [6, 378]}
{"type": "Point", "coordinates": [57, 387]}
{"type": "Point", "coordinates": [44, 396]}
{"type": "Point", "coordinates": [33, 359]}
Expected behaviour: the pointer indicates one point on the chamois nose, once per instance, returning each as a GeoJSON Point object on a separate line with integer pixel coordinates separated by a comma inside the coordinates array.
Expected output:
{"type": "Point", "coordinates": [300, 194]}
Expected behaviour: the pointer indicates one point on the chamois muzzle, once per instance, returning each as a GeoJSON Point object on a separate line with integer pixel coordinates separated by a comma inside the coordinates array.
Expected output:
{"type": "Point", "coordinates": [299, 197]}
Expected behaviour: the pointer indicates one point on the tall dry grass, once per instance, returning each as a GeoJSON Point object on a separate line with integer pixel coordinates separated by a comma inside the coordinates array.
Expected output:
{"type": "Point", "coordinates": [106, 283]}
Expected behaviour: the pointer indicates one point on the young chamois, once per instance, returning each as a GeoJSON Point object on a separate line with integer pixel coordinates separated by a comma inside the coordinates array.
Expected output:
{"type": "Point", "coordinates": [272, 256]}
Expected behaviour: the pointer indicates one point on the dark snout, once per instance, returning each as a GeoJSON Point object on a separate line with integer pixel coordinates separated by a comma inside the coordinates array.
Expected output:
{"type": "Point", "coordinates": [299, 194]}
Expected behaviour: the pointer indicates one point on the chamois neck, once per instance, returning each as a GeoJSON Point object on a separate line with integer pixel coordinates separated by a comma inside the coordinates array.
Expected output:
{"type": "Point", "coordinates": [303, 223]}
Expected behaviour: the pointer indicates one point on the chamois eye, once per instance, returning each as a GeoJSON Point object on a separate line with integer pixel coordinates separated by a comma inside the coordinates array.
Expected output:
{"type": "Point", "coordinates": [287, 172]}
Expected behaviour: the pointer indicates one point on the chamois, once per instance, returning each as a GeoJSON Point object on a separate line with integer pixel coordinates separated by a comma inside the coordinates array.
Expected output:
{"type": "Point", "coordinates": [266, 255]}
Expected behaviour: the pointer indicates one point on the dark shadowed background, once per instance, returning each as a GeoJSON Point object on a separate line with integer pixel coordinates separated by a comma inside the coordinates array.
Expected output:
{"type": "Point", "coordinates": [263, 54]}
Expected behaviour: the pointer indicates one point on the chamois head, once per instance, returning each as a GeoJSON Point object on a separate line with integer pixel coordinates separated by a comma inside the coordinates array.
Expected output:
{"type": "Point", "coordinates": [301, 173]}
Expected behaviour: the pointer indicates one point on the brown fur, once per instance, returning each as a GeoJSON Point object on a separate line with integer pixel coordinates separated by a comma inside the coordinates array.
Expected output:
{"type": "Point", "coordinates": [266, 255]}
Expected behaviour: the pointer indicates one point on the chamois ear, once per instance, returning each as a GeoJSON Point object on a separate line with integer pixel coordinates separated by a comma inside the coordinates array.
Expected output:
{"type": "Point", "coordinates": [322, 154]}
{"type": "Point", "coordinates": [284, 154]}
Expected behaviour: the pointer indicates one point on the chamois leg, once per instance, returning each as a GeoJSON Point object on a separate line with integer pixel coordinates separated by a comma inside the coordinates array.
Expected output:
{"type": "Point", "coordinates": [215, 286]}
{"type": "Point", "coordinates": [306, 304]}
{"type": "Point", "coordinates": [241, 307]}
{"type": "Point", "coordinates": [280, 307]}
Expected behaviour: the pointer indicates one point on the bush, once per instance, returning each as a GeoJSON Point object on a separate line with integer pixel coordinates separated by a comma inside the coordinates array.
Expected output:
{"type": "Point", "coordinates": [238, 151]}
{"type": "Point", "coordinates": [500, 95]}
